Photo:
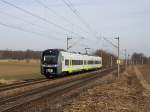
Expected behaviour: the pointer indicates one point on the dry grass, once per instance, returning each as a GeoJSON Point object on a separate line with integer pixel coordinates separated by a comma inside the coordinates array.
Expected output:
{"type": "Point", "coordinates": [4, 81]}
{"type": "Point", "coordinates": [145, 69]}
{"type": "Point", "coordinates": [19, 70]}
{"type": "Point", "coordinates": [124, 95]}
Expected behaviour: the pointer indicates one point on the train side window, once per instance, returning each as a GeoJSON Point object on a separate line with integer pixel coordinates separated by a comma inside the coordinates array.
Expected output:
{"type": "Point", "coordinates": [90, 62]}
{"type": "Point", "coordinates": [77, 62]}
{"type": "Point", "coordinates": [81, 62]}
{"type": "Point", "coordinates": [84, 62]}
{"type": "Point", "coordinates": [97, 62]}
{"type": "Point", "coordinates": [66, 62]}
{"type": "Point", "coordinates": [73, 62]}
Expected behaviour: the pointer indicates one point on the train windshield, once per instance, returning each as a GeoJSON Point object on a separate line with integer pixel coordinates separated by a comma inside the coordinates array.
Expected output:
{"type": "Point", "coordinates": [50, 59]}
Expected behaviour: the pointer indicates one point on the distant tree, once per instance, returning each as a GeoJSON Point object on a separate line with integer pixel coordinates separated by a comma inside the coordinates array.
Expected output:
{"type": "Point", "coordinates": [139, 58]}
{"type": "Point", "coordinates": [20, 55]}
{"type": "Point", "coordinates": [106, 57]}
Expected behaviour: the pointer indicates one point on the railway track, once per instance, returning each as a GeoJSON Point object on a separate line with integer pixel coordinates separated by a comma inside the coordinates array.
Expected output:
{"type": "Point", "coordinates": [10, 103]}
{"type": "Point", "coordinates": [21, 84]}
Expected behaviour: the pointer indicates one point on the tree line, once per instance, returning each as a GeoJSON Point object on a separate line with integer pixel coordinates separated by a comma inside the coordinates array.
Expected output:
{"type": "Point", "coordinates": [20, 55]}
{"type": "Point", "coordinates": [139, 58]}
{"type": "Point", "coordinates": [109, 59]}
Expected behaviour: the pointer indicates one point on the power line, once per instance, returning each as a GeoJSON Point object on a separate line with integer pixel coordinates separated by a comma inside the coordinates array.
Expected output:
{"type": "Point", "coordinates": [75, 11]}
{"type": "Point", "coordinates": [24, 30]}
{"type": "Point", "coordinates": [25, 21]}
{"type": "Point", "coordinates": [111, 43]}
{"type": "Point", "coordinates": [77, 42]}
{"type": "Point", "coordinates": [21, 19]}
{"type": "Point", "coordinates": [56, 14]}
{"type": "Point", "coordinates": [37, 16]}
{"type": "Point", "coordinates": [115, 46]}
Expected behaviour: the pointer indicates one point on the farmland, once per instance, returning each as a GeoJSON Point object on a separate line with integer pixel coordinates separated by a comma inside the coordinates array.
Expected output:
{"type": "Point", "coordinates": [145, 69]}
{"type": "Point", "coordinates": [19, 70]}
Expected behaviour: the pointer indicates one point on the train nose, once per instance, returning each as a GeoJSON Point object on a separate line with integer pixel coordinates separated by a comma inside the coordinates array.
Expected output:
{"type": "Point", "coordinates": [51, 70]}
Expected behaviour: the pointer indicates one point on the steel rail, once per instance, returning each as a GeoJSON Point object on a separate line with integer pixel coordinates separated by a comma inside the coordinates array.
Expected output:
{"type": "Point", "coordinates": [36, 94]}
{"type": "Point", "coordinates": [21, 84]}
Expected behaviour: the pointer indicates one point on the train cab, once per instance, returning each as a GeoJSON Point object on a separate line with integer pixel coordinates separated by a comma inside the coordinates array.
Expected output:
{"type": "Point", "coordinates": [50, 62]}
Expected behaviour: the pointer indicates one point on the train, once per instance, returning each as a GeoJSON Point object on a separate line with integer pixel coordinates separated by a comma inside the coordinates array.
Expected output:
{"type": "Point", "coordinates": [55, 62]}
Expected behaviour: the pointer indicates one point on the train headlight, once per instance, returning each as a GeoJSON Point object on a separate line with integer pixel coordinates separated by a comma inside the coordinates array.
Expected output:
{"type": "Point", "coordinates": [50, 70]}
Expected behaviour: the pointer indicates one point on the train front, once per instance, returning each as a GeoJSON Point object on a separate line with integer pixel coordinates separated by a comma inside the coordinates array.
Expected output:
{"type": "Point", "coordinates": [49, 63]}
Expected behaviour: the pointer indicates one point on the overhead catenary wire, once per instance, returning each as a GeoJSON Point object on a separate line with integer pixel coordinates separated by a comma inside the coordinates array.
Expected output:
{"type": "Point", "coordinates": [58, 15]}
{"type": "Point", "coordinates": [111, 43]}
{"type": "Point", "coordinates": [23, 20]}
{"type": "Point", "coordinates": [26, 21]}
{"type": "Point", "coordinates": [121, 51]}
{"type": "Point", "coordinates": [77, 42]}
{"type": "Point", "coordinates": [27, 31]}
{"type": "Point", "coordinates": [78, 15]}
{"type": "Point", "coordinates": [38, 17]}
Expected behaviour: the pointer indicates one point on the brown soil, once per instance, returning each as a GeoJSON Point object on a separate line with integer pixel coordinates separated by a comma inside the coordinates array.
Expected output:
{"type": "Point", "coordinates": [123, 95]}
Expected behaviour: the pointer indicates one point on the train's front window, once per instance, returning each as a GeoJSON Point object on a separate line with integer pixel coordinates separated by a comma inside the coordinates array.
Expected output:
{"type": "Point", "coordinates": [50, 59]}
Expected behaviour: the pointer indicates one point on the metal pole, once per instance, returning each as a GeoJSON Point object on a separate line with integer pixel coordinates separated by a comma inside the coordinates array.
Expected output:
{"type": "Point", "coordinates": [118, 62]}
{"type": "Point", "coordinates": [67, 43]}
{"type": "Point", "coordinates": [102, 54]}
{"type": "Point", "coordinates": [68, 38]}
{"type": "Point", "coordinates": [118, 58]}
{"type": "Point", "coordinates": [125, 59]}
{"type": "Point", "coordinates": [129, 59]}
{"type": "Point", "coordinates": [142, 61]}
{"type": "Point", "coordinates": [111, 61]}
{"type": "Point", "coordinates": [86, 50]}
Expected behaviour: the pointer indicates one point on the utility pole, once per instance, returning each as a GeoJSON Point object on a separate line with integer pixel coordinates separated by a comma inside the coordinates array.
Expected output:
{"type": "Point", "coordinates": [68, 38]}
{"type": "Point", "coordinates": [125, 59]}
{"type": "Point", "coordinates": [86, 50]}
{"type": "Point", "coordinates": [142, 60]}
{"type": "Point", "coordinates": [129, 59]}
{"type": "Point", "coordinates": [111, 60]}
{"type": "Point", "coordinates": [118, 61]}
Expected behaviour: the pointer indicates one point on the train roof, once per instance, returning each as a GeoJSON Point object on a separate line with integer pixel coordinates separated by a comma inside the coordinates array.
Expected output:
{"type": "Point", "coordinates": [54, 50]}
{"type": "Point", "coordinates": [59, 50]}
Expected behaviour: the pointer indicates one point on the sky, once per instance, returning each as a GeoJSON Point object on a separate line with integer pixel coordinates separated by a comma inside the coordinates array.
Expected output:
{"type": "Point", "coordinates": [44, 24]}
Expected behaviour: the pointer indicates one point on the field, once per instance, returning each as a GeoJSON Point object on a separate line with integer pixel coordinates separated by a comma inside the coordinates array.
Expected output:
{"type": "Point", "coordinates": [145, 69]}
{"type": "Point", "coordinates": [19, 70]}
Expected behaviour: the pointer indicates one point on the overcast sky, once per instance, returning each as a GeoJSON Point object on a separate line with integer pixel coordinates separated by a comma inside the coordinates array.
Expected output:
{"type": "Point", "coordinates": [128, 19]}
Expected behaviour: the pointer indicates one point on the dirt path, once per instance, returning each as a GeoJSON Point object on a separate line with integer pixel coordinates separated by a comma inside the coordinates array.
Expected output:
{"type": "Point", "coordinates": [139, 75]}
